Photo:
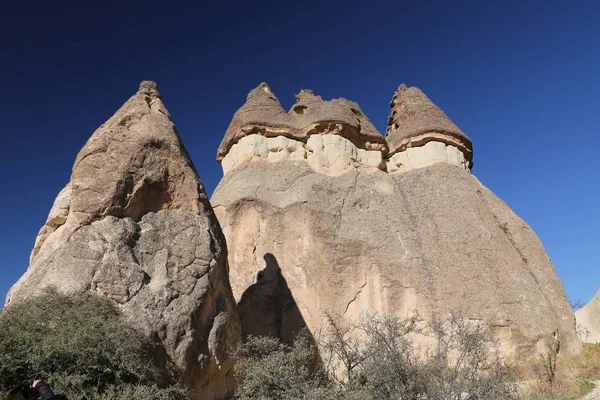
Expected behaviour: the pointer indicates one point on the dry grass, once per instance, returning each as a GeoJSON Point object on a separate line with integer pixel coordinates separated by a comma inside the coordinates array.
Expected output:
{"type": "Point", "coordinates": [572, 379]}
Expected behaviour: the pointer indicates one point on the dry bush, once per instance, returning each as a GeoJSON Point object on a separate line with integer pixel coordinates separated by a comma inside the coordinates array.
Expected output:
{"type": "Point", "coordinates": [568, 377]}
{"type": "Point", "coordinates": [380, 362]}
{"type": "Point", "coordinates": [386, 363]}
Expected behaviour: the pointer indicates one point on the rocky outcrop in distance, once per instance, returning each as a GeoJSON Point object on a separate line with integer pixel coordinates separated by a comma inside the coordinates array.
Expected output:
{"type": "Point", "coordinates": [134, 224]}
{"type": "Point", "coordinates": [588, 320]}
{"type": "Point", "coordinates": [323, 214]}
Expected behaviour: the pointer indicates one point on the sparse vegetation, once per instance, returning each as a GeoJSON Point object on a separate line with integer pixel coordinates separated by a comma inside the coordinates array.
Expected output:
{"type": "Point", "coordinates": [569, 378]}
{"type": "Point", "coordinates": [382, 358]}
{"type": "Point", "coordinates": [270, 369]}
{"type": "Point", "coordinates": [378, 359]}
{"type": "Point", "coordinates": [576, 304]}
{"type": "Point", "coordinates": [83, 347]}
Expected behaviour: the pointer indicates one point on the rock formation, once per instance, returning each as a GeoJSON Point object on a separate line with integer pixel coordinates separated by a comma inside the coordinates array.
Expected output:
{"type": "Point", "coordinates": [134, 224]}
{"type": "Point", "coordinates": [588, 320]}
{"type": "Point", "coordinates": [322, 214]}
{"type": "Point", "coordinates": [313, 129]}
{"type": "Point", "coordinates": [419, 133]}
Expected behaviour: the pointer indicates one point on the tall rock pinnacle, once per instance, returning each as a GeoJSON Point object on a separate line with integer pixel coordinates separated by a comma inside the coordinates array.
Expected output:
{"type": "Point", "coordinates": [328, 224]}
{"type": "Point", "coordinates": [134, 225]}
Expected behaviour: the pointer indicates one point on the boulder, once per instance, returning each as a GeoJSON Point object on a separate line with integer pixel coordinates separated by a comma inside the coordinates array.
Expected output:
{"type": "Point", "coordinates": [321, 230]}
{"type": "Point", "coordinates": [134, 224]}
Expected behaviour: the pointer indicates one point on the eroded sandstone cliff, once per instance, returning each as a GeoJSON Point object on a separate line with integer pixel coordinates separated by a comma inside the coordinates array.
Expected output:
{"type": "Point", "coordinates": [323, 221]}
{"type": "Point", "coordinates": [134, 224]}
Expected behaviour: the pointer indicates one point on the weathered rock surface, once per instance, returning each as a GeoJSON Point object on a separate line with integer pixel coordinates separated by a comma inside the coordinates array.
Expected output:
{"type": "Point", "coordinates": [262, 114]}
{"type": "Point", "coordinates": [304, 240]}
{"type": "Point", "coordinates": [588, 320]}
{"type": "Point", "coordinates": [415, 121]}
{"type": "Point", "coordinates": [134, 224]}
{"type": "Point", "coordinates": [326, 153]}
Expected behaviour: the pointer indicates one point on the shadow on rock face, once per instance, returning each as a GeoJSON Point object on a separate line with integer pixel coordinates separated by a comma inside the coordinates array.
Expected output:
{"type": "Point", "coordinates": [268, 308]}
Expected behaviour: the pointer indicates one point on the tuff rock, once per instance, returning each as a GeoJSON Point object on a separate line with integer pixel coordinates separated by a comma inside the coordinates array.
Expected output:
{"type": "Point", "coordinates": [415, 120]}
{"type": "Point", "coordinates": [588, 320]}
{"type": "Point", "coordinates": [345, 222]}
{"type": "Point", "coordinates": [262, 114]}
{"type": "Point", "coordinates": [134, 224]}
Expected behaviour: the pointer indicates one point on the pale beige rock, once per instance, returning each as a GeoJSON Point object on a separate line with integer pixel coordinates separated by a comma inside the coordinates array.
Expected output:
{"type": "Point", "coordinates": [134, 225]}
{"type": "Point", "coordinates": [262, 114]}
{"type": "Point", "coordinates": [56, 218]}
{"type": "Point", "coordinates": [588, 320]}
{"type": "Point", "coordinates": [304, 241]}
{"type": "Point", "coordinates": [327, 153]}
{"type": "Point", "coordinates": [422, 156]}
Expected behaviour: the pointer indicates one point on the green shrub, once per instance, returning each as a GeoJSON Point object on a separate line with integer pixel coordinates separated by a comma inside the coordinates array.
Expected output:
{"type": "Point", "coordinates": [83, 347]}
{"type": "Point", "coordinates": [270, 369]}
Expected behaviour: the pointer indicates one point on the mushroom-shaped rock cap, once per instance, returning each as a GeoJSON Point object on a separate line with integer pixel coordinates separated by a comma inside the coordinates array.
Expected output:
{"type": "Point", "coordinates": [262, 114]}
{"type": "Point", "coordinates": [415, 120]}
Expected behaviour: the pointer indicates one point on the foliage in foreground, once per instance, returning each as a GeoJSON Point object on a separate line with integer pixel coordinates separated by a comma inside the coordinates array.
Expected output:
{"type": "Point", "coordinates": [382, 362]}
{"type": "Point", "coordinates": [563, 378]}
{"type": "Point", "coordinates": [82, 346]}
{"type": "Point", "coordinates": [270, 369]}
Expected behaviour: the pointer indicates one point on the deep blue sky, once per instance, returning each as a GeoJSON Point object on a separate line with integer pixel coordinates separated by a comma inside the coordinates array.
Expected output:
{"type": "Point", "coordinates": [521, 78]}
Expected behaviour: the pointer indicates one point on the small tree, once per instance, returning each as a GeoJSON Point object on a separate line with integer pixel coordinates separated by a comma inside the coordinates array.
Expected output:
{"type": "Point", "coordinates": [576, 304]}
{"type": "Point", "coordinates": [83, 346]}
{"type": "Point", "coordinates": [269, 369]}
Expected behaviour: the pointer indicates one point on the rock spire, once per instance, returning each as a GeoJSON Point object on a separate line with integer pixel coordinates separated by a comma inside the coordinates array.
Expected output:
{"type": "Point", "coordinates": [419, 132]}
{"type": "Point", "coordinates": [134, 225]}
{"type": "Point", "coordinates": [321, 229]}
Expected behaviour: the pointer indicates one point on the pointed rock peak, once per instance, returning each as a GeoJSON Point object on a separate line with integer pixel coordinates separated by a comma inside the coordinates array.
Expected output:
{"type": "Point", "coordinates": [401, 89]}
{"type": "Point", "coordinates": [264, 86]}
{"type": "Point", "coordinates": [134, 225]}
{"type": "Point", "coordinates": [416, 120]}
{"type": "Point", "coordinates": [261, 92]}
{"type": "Point", "coordinates": [135, 163]}
{"type": "Point", "coordinates": [149, 87]}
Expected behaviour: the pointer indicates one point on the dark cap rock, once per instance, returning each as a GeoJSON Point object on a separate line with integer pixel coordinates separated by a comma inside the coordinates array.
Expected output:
{"type": "Point", "coordinates": [263, 114]}
{"type": "Point", "coordinates": [415, 118]}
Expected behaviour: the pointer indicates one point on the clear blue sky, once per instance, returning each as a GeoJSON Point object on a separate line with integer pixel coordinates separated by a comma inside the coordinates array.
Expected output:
{"type": "Point", "coordinates": [521, 78]}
